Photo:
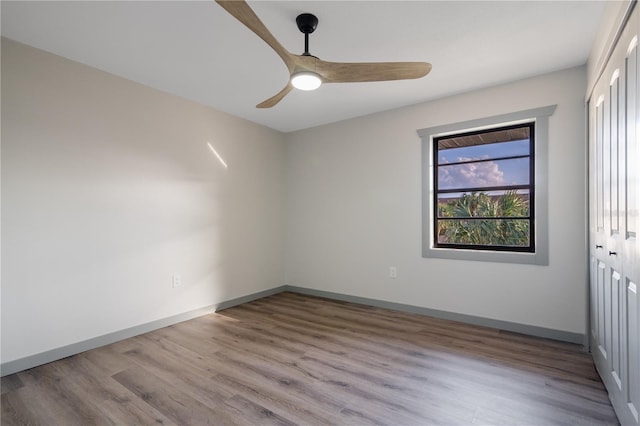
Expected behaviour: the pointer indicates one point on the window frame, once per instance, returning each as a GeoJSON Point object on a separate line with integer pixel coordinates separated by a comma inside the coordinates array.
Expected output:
{"type": "Point", "coordinates": [530, 187]}
{"type": "Point", "coordinates": [538, 201]}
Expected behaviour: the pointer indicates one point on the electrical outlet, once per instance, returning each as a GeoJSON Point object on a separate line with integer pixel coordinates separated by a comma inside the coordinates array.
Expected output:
{"type": "Point", "coordinates": [393, 272]}
{"type": "Point", "coordinates": [177, 281]}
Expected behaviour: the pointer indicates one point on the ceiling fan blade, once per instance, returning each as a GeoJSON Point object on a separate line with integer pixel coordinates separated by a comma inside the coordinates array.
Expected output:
{"type": "Point", "coordinates": [345, 72]}
{"type": "Point", "coordinates": [240, 10]}
{"type": "Point", "coordinates": [272, 101]}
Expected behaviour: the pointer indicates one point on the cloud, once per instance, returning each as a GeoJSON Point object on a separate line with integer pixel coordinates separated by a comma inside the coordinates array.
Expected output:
{"type": "Point", "coordinates": [486, 173]}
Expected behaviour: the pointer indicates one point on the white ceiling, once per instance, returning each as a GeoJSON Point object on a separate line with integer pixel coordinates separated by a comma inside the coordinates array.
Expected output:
{"type": "Point", "coordinates": [196, 50]}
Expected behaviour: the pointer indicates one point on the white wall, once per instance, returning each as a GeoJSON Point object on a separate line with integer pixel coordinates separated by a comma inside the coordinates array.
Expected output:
{"type": "Point", "coordinates": [109, 188]}
{"type": "Point", "coordinates": [354, 210]}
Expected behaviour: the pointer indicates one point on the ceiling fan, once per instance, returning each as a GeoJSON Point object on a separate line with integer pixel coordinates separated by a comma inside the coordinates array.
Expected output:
{"type": "Point", "coordinates": [308, 72]}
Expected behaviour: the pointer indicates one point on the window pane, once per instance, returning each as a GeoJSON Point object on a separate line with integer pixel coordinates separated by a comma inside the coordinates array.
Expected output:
{"type": "Point", "coordinates": [479, 152]}
{"type": "Point", "coordinates": [484, 174]}
{"type": "Point", "coordinates": [508, 203]}
{"type": "Point", "coordinates": [484, 232]}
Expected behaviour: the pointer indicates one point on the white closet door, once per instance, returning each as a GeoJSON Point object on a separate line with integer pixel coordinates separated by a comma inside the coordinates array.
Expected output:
{"type": "Point", "coordinates": [629, 161]}
{"type": "Point", "coordinates": [614, 118]}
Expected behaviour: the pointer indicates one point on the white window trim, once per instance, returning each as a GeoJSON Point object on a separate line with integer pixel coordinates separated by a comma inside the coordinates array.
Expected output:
{"type": "Point", "coordinates": [540, 116]}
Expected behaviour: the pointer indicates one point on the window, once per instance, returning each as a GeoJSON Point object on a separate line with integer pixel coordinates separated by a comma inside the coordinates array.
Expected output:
{"type": "Point", "coordinates": [484, 188]}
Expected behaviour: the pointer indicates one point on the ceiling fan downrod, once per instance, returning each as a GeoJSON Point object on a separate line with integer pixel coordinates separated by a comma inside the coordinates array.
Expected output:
{"type": "Point", "coordinates": [307, 23]}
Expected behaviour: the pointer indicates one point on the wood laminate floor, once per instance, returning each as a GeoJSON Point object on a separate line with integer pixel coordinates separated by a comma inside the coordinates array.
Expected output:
{"type": "Point", "coordinates": [294, 359]}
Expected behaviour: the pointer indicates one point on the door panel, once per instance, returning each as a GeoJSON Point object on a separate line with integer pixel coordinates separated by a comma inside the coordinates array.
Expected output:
{"type": "Point", "coordinates": [602, 309]}
{"type": "Point", "coordinates": [617, 295]}
{"type": "Point", "coordinates": [599, 167]}
{"type": "Point", "coordinates": [611, 154]}
{"type": "Point", "coordinates": [633, 354]}
{"type": "Point", "coordinates": [593, 303]}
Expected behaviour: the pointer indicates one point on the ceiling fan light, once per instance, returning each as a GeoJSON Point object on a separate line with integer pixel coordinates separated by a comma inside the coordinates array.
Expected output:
{"type": "Point", "coordinates": [306, 80]}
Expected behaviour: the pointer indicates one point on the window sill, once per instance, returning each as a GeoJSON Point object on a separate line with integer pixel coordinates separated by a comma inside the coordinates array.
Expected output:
{"type": "Point", "coordinates": [538, 258]}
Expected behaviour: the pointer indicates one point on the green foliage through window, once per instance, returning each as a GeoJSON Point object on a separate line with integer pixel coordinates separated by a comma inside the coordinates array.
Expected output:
{"type": "Point", "coordinates": [486, 222]}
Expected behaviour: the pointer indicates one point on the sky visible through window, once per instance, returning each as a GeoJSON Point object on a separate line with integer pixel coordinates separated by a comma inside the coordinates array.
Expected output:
{"type": "Point", "coordinates": [485, 173]}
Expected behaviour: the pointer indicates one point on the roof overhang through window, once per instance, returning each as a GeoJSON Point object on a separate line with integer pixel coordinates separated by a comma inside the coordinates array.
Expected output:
{"type": "Point", "coordinates": [503, 135]}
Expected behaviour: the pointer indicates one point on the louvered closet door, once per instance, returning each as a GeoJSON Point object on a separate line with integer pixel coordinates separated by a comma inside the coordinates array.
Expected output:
{"type": "Point", "coordinates": [614, 120]}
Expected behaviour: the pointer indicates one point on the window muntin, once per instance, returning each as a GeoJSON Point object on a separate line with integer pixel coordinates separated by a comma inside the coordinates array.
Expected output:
{"type": "Point", "coordinates": [484, 189]}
